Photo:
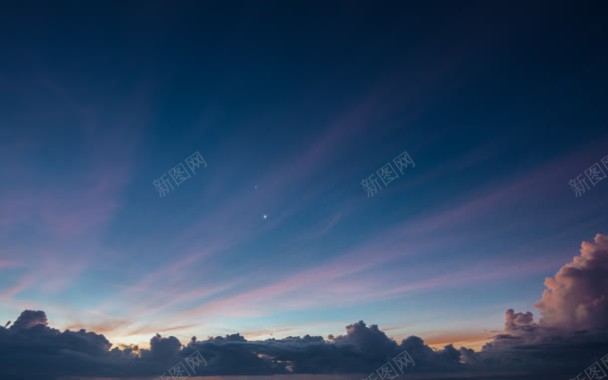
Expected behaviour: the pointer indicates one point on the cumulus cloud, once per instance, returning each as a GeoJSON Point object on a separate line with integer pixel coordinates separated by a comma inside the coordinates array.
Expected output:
{"type": "Point", "coordinates": [29, 319]}
{"type": "Point", "coordinates": [518, 321]}
{"type": "Point", "coordinates": [80, 353]}
{"type": "Point", "coordinates": [576, 298]}
{"type": "Point", "coordinates": [368, 340]}
{"type": "Point", "coordinates": [31, 350]}
{"type": "Point", "coordinates": [573, 328]}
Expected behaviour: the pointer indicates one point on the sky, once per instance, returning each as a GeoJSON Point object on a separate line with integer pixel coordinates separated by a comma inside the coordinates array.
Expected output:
{"type": "Point", "coordinates": [292, 106]}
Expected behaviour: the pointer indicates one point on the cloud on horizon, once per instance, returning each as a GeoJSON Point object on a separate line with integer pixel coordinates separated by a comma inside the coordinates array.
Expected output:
{"type": "Point", "coordinates": [571, 334]}
{"type": "Point", "coordinates": [573, 328]}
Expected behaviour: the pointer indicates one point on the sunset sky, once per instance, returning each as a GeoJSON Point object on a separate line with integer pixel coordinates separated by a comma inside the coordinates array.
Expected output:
{"type": "Point", "coordinates": [292, 105]}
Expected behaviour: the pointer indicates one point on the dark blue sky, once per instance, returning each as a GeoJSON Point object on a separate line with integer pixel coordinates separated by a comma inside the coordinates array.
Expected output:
{"type": "Point", "coordinates": [292, 105]}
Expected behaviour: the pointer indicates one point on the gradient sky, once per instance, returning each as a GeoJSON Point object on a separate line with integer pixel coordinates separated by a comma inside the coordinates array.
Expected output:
{"type": "Point", "coordinates": [292, 104]}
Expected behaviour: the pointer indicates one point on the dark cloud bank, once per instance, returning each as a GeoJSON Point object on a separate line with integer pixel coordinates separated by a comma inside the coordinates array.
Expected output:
{"type": "Point", "coordinates": [571, 334]}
